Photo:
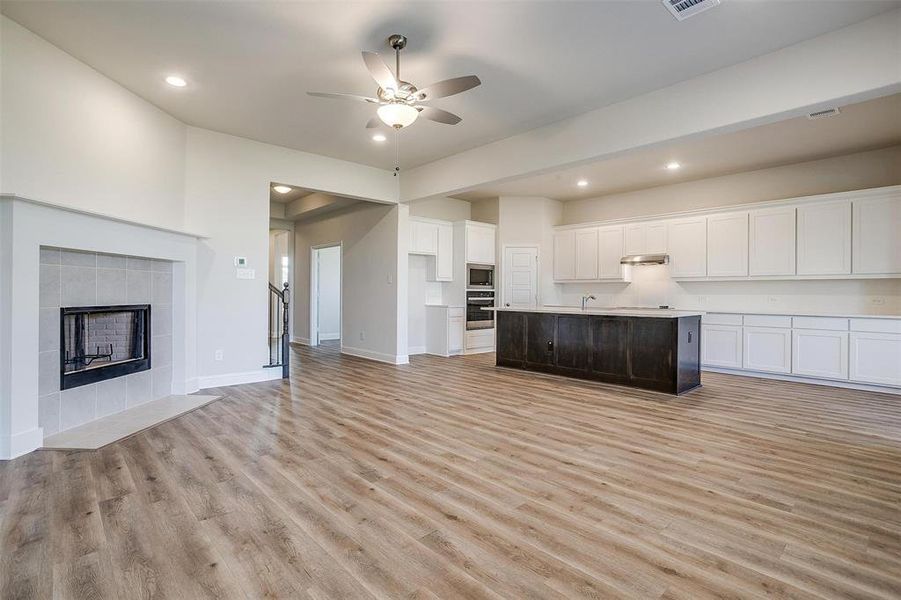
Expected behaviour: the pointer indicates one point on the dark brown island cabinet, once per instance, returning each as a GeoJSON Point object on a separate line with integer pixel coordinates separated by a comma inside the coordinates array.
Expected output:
{"type": "Point", "coordinates": [661, 353]}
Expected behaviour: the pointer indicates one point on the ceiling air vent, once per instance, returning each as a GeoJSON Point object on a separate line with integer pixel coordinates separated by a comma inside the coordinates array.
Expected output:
{"type": "Point", "coordinates": [682, 9]}
{"type": "Point", "coordinates": [823, 114]}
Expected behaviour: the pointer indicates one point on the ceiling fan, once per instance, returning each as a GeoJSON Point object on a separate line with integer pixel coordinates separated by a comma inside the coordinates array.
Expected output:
{"type": "Point", "coordinates": [400, 102]}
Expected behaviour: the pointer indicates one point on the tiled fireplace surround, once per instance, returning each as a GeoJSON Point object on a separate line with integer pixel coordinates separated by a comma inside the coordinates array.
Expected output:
{"type": "Point", "coordinates": [73, 278]}
{"type": "Point", "coordinates": [114, 261]}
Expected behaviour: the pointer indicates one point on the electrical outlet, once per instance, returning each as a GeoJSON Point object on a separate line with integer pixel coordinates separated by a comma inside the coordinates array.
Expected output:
{"type": "Point", "coordinates": [219, 354]}
{"type": "Point", "coordinates": [702, 299]}
{"type": "Point", "coordinates": [773, 300]}
{"type": "Point", "coordinates": [877, 301]}
{"type": "Point", "coordinates": [362, 336]}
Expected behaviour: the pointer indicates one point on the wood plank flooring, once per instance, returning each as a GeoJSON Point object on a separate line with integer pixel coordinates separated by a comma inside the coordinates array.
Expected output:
{"type": "Point", "coordinates": [450, 478]}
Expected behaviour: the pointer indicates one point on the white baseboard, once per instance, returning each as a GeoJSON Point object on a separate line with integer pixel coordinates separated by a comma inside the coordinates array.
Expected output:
{"type": "Point", "coordinates": [324, 337]}
{"type": "Point", "coordinates": [301, 341]}
{"type": "Point", "coordinates": [812, 380]}
{"type": "Point", "coordinates": [411, 350]}
{"type": "Point", "coordinates": [12, 446]}
{"type": "Point", "coordinates": [393, 359]}
{"type": "Point", "coordinates": [478, 350]}
{"type": "Point", "coordinates": [211, 381]}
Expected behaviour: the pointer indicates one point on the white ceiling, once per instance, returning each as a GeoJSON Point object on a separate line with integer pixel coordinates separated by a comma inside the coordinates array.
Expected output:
{"type": "Point", "coordinates": [863, 126]}
{"type": "Point", "coordinates": [249, 64]}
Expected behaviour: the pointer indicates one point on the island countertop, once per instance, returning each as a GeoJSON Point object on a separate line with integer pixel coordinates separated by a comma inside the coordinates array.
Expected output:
{"type": "Point", "coordinates": [660, 313]}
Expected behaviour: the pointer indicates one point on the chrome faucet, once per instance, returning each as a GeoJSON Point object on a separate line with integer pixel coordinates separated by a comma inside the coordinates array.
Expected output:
{"type": "Point", "coordinates": [585, 300]}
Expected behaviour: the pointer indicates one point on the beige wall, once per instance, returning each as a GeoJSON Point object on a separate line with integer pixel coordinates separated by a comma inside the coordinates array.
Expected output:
{"type": "Point", "coordinates": [486, 210]}
{"type": "Point", "coordinates": [529, 221]}
{"type": "Point", "coordinates": [447, 209]}
{"type": "Point", "coordinates": [842, 173]}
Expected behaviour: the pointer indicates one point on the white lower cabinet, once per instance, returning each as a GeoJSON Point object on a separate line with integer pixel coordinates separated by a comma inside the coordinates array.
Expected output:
{"type": "Point", "coordinates": [820, 353]}
{"type": "Point", "coordinates": [456, 326]}
{"type": "Point", "coordinates": [721, 346]}
{"type": "Point", "coordinates": [479, 340]}
{"type": "Point", "coordinates": [875, 357]}
{"type": "Point", "coordinates": [767, 349]}
{"type": "Point", "coordinates": [445, 326]}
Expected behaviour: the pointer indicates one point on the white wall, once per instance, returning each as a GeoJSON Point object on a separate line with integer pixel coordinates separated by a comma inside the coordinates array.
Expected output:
{"type": "Point", "coordinates": [73, 137]}
{"type": "Point", "coordinates": [857, 171]}
{"type": "Point", "coordinates": [371, 287]}
{"type": "Point", "coordinates": [330, 293]}
{"type": "Point", "coordinates": [528, 221]}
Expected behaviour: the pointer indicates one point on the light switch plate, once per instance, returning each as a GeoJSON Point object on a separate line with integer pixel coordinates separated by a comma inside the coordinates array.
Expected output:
{"type": "Point", "coordinates": [240, 261]}
{"type": "Point", "coordinates": [245, 273]}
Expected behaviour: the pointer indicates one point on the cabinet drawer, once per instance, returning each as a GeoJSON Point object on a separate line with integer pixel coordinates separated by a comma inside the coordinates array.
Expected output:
{"type": "Point", "coordinates": [829, 323]}
{"type": "Point", "coordinates": [768, 321]}
{"type": "Point", "coordinates": [455, 311]}
{"type": "Point", "coordinates": [876, 325]}
{"type": "Point", "coordinates": [480, 338]}
{"type": "Point", "coordinates": [721, 319]}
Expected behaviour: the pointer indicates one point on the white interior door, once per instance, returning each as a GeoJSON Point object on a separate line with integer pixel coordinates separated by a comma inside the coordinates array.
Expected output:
{"type": "Point", "coordinates": [521, 277]}
{"type": "Point", "coordinates": [325, 294]}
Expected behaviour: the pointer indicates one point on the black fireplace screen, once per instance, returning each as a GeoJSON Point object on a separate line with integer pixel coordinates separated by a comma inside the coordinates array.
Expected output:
{"type": "Point", "coordinates": [102, 342]}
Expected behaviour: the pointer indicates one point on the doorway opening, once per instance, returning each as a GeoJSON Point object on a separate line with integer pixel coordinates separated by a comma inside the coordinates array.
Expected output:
{"type": "Point", "coordinates": [325, 293]}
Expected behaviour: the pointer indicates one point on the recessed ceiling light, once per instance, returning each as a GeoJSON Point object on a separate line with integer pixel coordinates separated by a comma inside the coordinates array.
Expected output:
{"type": "Point", "coordinates": [175, 80]}
{"type": "Point", "coordinates": [281, 189]}
{"type": "Point", "coordinates": [379, 137]}
{"type": "Point", "coordinates": [672, 166]}
{"type": "Point", "coordinates": [582, 183]}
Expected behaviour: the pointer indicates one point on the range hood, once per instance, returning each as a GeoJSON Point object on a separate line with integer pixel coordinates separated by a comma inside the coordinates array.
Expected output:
{"type": "Point", "coordinates": [645, 259]}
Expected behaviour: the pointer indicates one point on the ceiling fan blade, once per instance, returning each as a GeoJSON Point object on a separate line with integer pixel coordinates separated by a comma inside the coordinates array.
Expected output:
{"type": "Point", "coordinates": [439, 116]}
{"type": "Point", "coordinates": [448, 87]}
{"type": "Point", "coordinates": [379, 71]}
{"type": "Point", "coordinates": [340, 96]}
{"type": "Point", "coordinates": [373, 123]}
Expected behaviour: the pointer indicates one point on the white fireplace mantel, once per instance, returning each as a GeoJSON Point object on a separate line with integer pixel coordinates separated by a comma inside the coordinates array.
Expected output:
{"type": "Point", "coordinates": [25, 226]}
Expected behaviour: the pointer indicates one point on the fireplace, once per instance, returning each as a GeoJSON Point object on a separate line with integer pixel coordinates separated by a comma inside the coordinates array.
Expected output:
{"type": "Point", "coordinates": [102, 342]}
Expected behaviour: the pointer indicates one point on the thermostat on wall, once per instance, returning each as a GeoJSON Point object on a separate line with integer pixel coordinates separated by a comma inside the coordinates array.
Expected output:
{"type": "Point", "coordinates": [240, 261]}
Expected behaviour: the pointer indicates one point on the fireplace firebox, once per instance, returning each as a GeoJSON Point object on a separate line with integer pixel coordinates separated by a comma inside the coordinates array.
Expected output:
{"type": "Point", "coordinates": [102, 342]}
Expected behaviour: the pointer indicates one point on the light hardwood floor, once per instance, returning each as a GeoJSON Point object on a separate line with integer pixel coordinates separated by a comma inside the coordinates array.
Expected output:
{"type": "Point", "coordinates": [451, 478]}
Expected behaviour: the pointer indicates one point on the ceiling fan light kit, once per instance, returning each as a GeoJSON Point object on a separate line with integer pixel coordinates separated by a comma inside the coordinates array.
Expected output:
{"type": "Point", "coordinates": [397, 114]}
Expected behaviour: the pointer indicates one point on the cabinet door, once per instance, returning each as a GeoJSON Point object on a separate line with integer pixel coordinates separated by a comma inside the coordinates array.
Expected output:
{"type": "Point", "coordinates": [820, 353]}
{"type": "Point", "coordinates": [610, 348]}
{"type": "Point", "coordinates": [610, 251]}
{"type": "Point", "coordinates": [767, 349]}
{"type": "Point", "coordinates": [444, 261]}
{"type": "Point", "coordinates": [727, 245]}
{"type": "Point", "coordinates": [772, 241]}
{"type": "Point", "coordinates": [875, 358]}
{"type": "Point", "coordinates": [824, 238]}
{"type": "Point", "coordinates": [655, 241]}
{"type": "Point", "coordinates": [636, 236]}
{"type": "Point", "coordinates": [455, 329]}
{"type": "Point", "coordinates": [564, 255]}
{"type": "Point", "coordinates": [687, 241]}
{"type": "Point", "coordinates": [586, 254]}
{"type": "Point", "coordinates": [540, 329]}
{"type": "Point", "coordinates": [424, 238]}
{"type": "Point", "coordinates": [721, 346]}
{"type": "Point", "coordinates": [877, 243]}
{"type": "Point", "coordinates": [573, 351]}
{"type": "Point", "coordinates": [480, 245]}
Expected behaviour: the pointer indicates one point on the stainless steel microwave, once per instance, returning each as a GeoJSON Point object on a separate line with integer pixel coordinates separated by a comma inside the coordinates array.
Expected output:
{"type": "Point", "coordinates": [480, 276]}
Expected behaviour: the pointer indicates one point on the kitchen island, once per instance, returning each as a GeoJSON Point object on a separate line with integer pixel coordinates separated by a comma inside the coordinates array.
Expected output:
{"type": "Point", "coordinates": [654, 349]}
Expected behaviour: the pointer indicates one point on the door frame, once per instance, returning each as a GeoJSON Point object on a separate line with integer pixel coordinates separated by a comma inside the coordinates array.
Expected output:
{"type": "Point", "coordinates": [314, 291]}
{"type": "Point", "coordinates": [503, 274]}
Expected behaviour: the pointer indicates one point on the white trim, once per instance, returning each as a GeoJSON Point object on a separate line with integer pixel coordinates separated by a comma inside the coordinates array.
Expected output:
{"type": "Point", "coordinates": [478, 350]}
{"type": "Point", "coordinates": [827, 382]}
{"type": "Point", "coordinates": [324, 337]}
{"type": "Point", "coordinates": [21, 443]}
{"type": "Point", "coordinates": [879, 192]}
{"type": "Point", "coordinates": [315, 337]}
{"type": "Point", "coordinates": [301, 341]}
{"type": "Point", "coordinates": [413, 350]}
{"type": "Point", "coordinates": [393, 359]}
{"type": "Point", "coordinates": [211, 381]}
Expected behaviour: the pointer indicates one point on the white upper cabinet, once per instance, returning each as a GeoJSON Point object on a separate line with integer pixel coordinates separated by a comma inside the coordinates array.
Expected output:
{"type": "Point", "coordinates": [586, 253]}
{"type": "Point", "coordinates": [565, 255]}
{"type": "Point", "coordinates": [687, 242]}
{"type": "Point", "coordinates": [877, 241]}
{"type": "Point", "coordinates": [423, 237]}
{"type": "Point", "coordinates": [444, 261]}
{"type": "Point", "coordinates": [771, 248]}
{"type": "Point", "coordinates": [610, 251]}
{"type": "Point", "coordinates": [646, 238]}
{"type": "Point", "coordinates": [480, 244]}
{"type": "Point", "coordinates": [824, 238]}
{"type": "Point", "coordinates": [727, 245]}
